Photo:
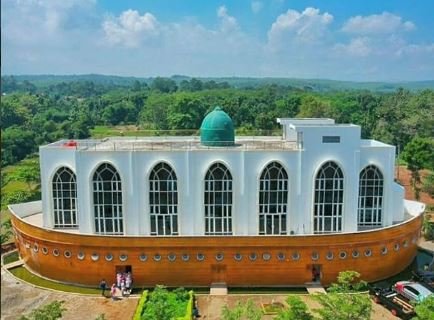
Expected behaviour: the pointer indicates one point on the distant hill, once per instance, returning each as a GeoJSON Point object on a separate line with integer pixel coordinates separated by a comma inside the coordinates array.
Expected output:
{"type": "Point", "coordinates": [321, 85]}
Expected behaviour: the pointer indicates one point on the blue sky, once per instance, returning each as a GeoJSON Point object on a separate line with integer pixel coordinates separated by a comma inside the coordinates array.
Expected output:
{"type": "Point", "coordinates": [362, 40]}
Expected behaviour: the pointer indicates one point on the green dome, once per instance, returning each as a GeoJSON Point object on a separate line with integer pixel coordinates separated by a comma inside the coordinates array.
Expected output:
{"type": "Point", "coordinates": [217, 129]}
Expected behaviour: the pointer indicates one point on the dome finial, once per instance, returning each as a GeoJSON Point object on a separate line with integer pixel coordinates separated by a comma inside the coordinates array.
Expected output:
{"type": "Point", "coordinates": [217, 129]}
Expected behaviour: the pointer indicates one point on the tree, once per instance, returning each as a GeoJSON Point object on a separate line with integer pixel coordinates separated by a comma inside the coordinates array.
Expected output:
{"type": "Point", "coordinates": [425, 309]}
{"type": "Point", "coordinates": [51, 311]}
{"type": "Point", "coordinates": [343, 300]}
{"type": "Point", "coordinates": [164, 85]}
{"type": "Point", "coordinates": [247, 311]}
{"type": "Point", "coordinates": [6, 231]}
{"type": "Point", "coordinates": [428, 184]}
{"type": "Point", "coordinates": [29, 173]}
{"type": "Point", "coordinates": [419, 154]}
{"type": "Point", "coordinates": [297, 310]}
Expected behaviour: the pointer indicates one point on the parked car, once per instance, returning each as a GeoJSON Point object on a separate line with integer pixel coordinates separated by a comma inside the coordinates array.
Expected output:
{"type": "Point", "coordinates": [413, 291]}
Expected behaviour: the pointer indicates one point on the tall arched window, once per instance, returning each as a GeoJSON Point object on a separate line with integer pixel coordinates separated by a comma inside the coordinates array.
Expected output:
{"type": "Point", "coordinates": [107, 200]}
{"type": "Point", "coordinates": [218, 200]}
{"type": "Point", "coordinates": [273, 199]}
{"type": "Point", "coordinates": [163, 200]}
{"type": "Point", "coordinates": [65, 199]}
{"type": "Point", "coordinates": [370, 197]}
{"type": "Point", "coordinates": [329, 192]}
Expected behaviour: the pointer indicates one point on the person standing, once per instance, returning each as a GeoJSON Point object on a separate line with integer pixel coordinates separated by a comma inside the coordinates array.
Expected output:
{"type": "Point", "coordinates": [113, 291]}
{"type": "Point", "coordinates": [103, 287]}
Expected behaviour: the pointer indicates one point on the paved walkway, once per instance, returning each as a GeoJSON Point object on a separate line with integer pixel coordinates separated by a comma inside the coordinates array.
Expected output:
{"type": "Point", "coordinates": [19, 298]}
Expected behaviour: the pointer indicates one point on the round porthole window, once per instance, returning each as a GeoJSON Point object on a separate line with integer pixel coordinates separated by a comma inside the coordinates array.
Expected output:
{"type": "Point", "coordinates": [396, 247]}
{"type": "Point", "coordinates": [67, 254]}
{"type": "Point", "coordinates": [295, 256]}
{"type": "Point", "coordinates": [405, 243]}
{"type": "Point", "coordinates": [94, 256]}
{"type": "Point", "coordinates": [157, 257]}
{"type": "Point", "coordinates": [200, 257]}
{"type": "Point", "coordinates": [44, 250]}
{"type": "Point", "coordinates": [253, 256]}
{"type": "Point", "coordinates": [185, 257]}
{"type": "Point", "coordinates": [315, 255]}
{"type": "Point", "coordinates": [368, 252]}
{"type": "Point", "coordinates": [171, 257]}
{"type": "Point", "coordinates": [342, 254]}
{"type": "Point", "coordinates": [143, 257]}
{"type": "Point", "coordinates": [355, 254]}
{"type": "Point", "coordinates": [123, 257]}
{"type": "Point", "coordinates": [266, 256]}
{"type": "Point", "coordinates": [383, 250]}
{"type": "Point", "coordinates": [219, 256]}
{"type": "Point", "coordinates": [80, 255]}
{"type": "Point", "coordinates": [35, 247]}
{"type": "Point", "coordinates": [281, 256]}
{"type": "Point", "coordinates": [109, 257]}
{"type": "Point", "coordinates": [55, 252]}
{"type": "Point", "coordinates": [238, 256]}
{"type": "Point", "coordinates": [329, 255]}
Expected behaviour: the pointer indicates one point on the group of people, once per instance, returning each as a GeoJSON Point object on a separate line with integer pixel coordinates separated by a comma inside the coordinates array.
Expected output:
{"type": "Point", "coordinates": [124, 283]}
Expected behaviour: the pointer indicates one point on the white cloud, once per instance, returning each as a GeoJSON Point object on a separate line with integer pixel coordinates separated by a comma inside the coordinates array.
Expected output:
{"type": "Point", "coordinates": [227, 22]}
{"type": "Point", "coordinates": [130, 28]}
{"type": "Point", "coordinates": [307, 26]}
{"type": "Point", "coordinates": [256, 6]}
{"type": "Point", "coordinates": [384, 23]}
{"type": "Point", "coordinates": [359, 47]}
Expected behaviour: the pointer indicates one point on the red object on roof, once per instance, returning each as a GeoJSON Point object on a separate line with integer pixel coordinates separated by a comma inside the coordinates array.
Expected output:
{"type": "Point", "coordinates": [70, 143]}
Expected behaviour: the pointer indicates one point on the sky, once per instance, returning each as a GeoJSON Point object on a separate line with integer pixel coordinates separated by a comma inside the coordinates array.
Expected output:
{"type": "Point", "coordinates": [358, 40]}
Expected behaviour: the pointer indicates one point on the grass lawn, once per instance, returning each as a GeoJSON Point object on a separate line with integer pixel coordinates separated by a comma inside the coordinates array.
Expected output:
{"type": "Point", "coordinates": [267, 290]}
{"type": "Point", "coordinates": [11, 257]}
{"type": "Point", "coordinates": [26, 275]}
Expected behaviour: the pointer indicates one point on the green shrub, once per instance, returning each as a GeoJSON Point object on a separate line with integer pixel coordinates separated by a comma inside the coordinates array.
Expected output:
{"type": "Point", "coordinates": [164, 305]}
{"type": "Point", "coordinates": [51, 311]}
{"type": "Point", "coordinates": [139, 309]}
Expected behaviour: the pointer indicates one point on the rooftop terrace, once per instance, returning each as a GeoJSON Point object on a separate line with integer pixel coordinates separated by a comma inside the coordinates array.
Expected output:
{"type": "Point", "coordinates": [254, 143]}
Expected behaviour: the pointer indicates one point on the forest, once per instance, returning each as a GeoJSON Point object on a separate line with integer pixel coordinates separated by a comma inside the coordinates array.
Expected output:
{"type": "Point", "coordinates": [35, 115]}
{"type": "Point", "coordinates": [40, 112]}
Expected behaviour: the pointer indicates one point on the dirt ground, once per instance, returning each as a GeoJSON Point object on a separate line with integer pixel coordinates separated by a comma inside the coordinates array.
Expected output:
{"type": "Point", "coordinates": [18, 298]}
{"type": "Point", "coordinates": [210, 306]}
{"type": "Point", "coordinates": [404, 177]}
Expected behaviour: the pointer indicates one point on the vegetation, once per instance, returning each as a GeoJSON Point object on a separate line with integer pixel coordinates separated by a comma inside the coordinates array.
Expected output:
{"type": "Point", "coordinates": [297, 310]}
{"type": "Point", "coordinates": [163, 304]}
{"type": "Point", "coordinates": [419, 154]}
{"type": "Point", "coordinates": [51, 311]}
{"type": "Point", "coordinates": [428, 228]}
{"type": "Point", "coordinates": [425, 309]}
{"type": "Point", "coordinates": [10, 257]}
{"type": "Point", "coordinates": [242, 311]}
{"type": "Point", "coordinates": [23, 274]}
{"type": "Point", "coordinates": [344, 300]}
{"type": "Point", "coordinates": [6, 231]}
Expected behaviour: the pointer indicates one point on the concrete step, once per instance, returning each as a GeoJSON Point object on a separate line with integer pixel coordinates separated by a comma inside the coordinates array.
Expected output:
{"type": "Point", "coordinates": [218, 289]}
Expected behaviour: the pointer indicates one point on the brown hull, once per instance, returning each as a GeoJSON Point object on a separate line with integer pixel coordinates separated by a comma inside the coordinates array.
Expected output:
{"type": "Point", "coordinates": [278, 270]}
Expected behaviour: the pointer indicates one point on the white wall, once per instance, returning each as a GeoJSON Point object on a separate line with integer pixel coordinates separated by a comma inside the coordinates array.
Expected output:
{"type": "Point", "coordinates": [245, 166]}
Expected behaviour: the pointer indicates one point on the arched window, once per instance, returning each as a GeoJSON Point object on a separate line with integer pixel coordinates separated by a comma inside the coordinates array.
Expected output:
{"type": "Point", "coordinates": [329, 192]}
{"type": "Point", "coordinates": [163, 200]}
{"type": "Point", "coordinates": [65, 199]}
{"type": "Point", "coordinates": [370, 197]}
{"type": "Point", "coordinates": [107, 200]}
{"type": "Point", "coordinates": [218, 200]}
{"type": "Point", "coordinates": [273, 199]}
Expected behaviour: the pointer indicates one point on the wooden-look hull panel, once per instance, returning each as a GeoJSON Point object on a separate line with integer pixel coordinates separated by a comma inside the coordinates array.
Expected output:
{"type": "Point", "coordinates": [280, 260]}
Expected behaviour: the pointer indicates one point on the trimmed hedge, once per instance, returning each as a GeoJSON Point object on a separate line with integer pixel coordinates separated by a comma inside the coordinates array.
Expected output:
{"type": "Point", "coordinates": [189, 309]}
{"type": "Point", "coordinates": [139, 309]}
{"type": "Point", "coordinates": [141, 304]}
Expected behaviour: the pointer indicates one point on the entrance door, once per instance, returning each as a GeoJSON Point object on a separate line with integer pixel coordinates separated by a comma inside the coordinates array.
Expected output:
{"type": "Point", "coordinates": [316, 272]}
{"type": "Point", "coordinates": [218, 273]}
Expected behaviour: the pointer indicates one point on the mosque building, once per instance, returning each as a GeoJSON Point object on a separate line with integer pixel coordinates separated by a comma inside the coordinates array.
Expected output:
{"type": "Point", "coordinates": [245, 211]}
